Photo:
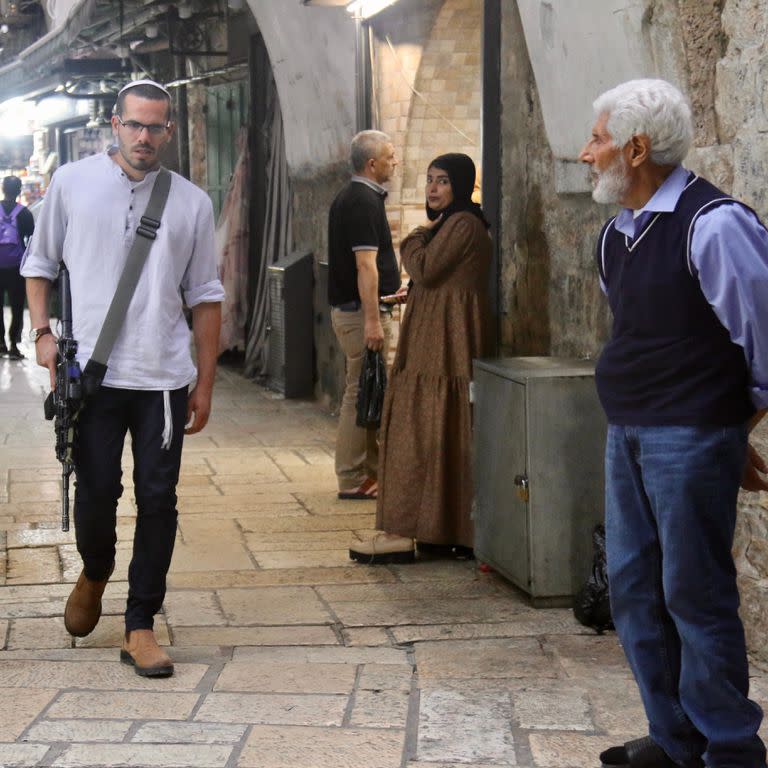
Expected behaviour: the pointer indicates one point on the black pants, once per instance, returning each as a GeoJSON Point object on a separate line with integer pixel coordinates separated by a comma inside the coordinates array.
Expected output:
{"type": "Point", "coordinates": [102, 427]}
{"type": "Point", "coordinates": [12, 282]}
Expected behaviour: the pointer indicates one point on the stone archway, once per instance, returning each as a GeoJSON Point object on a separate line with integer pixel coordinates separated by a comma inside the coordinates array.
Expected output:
{"type": "Point", "coordinates": [447, 116]}
{"type": "Point", "coordinates": [429, 92]}
{"type": "Point", "coordinates": [312, 54]}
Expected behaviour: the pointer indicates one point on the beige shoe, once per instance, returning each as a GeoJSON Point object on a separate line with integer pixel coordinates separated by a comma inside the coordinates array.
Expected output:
{"type": "Point", "coordinates": [141, 651]}
{"type": "Point", "coordinates": [83, 609]}
{"type": "Point", "coordinates": [383, 548]}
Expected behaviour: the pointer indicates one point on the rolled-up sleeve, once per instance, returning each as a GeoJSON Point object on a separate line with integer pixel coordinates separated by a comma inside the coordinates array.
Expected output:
{"type": "Point", "coordinates": [45, 248]}
{"type": "Point", "coordinates": [729, 249]}
{"type": "Point", "coordinates": [201, 282]}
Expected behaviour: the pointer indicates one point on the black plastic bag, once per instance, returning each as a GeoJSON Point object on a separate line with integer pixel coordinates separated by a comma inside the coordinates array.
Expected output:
{"type": "Point", "coordinates": [592, 606]}
{"type": "Point", "coordinates": [370, 392]}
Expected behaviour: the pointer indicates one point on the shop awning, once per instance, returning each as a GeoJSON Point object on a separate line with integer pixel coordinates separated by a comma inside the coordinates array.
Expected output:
{"type": "Point", "coordinates": [33, 70]}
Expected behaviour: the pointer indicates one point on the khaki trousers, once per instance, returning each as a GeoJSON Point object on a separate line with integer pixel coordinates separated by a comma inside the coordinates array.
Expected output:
{"type": "Point", "coordinates": [357, 449]}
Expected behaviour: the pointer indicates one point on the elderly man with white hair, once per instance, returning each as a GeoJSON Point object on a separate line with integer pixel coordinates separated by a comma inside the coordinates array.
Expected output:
{"type": "Point", "coordinates": [683, 379]}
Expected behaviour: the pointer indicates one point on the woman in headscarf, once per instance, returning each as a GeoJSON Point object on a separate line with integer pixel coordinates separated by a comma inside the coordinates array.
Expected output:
{"type": "Point", "coordinates": [425, 476]}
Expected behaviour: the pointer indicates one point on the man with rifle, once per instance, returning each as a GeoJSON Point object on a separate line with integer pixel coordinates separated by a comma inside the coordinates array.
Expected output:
{"type": "Point", "coordinates": [96, 211]}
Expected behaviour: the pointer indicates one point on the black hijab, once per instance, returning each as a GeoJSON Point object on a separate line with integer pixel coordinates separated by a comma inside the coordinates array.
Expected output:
{"type": "Point", "coordinates": [461, 172]}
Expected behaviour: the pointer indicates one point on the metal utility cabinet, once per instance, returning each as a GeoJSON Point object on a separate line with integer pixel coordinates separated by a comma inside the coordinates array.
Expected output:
{"type": "Point", "coordinates": [290, 363]}
{"type": "Point", "coordinates": [539, 435]}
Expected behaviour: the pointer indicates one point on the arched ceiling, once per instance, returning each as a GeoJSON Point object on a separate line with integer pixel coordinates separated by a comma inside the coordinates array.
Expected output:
{"type": "Point", "coordinates": [312, 52]}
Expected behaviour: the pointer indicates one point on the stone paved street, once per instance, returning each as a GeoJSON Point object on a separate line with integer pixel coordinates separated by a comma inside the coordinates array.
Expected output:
{"type": "Point", "coordinates": [287, 655]}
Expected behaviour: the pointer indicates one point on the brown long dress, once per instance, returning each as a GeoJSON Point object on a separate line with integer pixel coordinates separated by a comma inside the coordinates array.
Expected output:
{"type": "Point", "coordinates": [425, 474]}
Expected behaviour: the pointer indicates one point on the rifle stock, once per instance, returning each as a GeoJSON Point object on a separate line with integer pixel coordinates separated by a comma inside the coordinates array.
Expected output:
{"type": "Point", "coordinates": [63, 404]}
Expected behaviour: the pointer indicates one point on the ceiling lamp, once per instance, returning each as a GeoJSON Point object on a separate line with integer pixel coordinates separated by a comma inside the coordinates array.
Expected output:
{"type": "Point", "coordinates": [185, 11]}
{"type": "Point", "coordinates": [364, 9]}
{"type": "Point", "coordinates": [151, 31]}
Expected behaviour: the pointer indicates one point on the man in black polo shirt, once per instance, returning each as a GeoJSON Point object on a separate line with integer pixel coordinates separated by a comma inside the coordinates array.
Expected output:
{"type": "Point", "coordinates": [362, 268]}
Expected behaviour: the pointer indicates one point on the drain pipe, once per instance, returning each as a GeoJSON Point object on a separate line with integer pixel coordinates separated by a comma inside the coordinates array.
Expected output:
{"type": "Point", "coordinates": [362, 75]}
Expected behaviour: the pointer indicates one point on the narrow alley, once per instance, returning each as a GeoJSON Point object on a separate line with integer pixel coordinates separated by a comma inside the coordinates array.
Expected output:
{"type": "Point", "coordinates": [286, 653]}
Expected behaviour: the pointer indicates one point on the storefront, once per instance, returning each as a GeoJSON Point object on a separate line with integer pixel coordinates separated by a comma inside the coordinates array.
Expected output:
{"type": "Point", "coordinates": [36, 138]}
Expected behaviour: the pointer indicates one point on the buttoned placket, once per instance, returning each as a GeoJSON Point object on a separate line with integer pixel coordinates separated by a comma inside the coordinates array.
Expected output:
{"type": "Point", "coordinates": [129, 234]}
{"type": "Point", "coordinates": [130, 218]}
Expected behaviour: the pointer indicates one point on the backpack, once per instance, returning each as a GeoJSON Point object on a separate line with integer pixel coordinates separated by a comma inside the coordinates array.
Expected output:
{"type": "Point", "coordinates": [11, 245]}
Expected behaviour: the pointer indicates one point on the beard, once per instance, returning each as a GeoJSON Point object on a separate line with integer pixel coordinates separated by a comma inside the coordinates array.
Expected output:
{"type": "Point", "coordinates": [612, 183]}
{"type": "Point", "coordinates": [139, 162]}
{"type": "Point", "coordinates": [142, 163]}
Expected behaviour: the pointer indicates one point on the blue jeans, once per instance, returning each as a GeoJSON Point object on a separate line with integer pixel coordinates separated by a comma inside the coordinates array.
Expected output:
{"type": "Point", "coordinates": [670, 516]}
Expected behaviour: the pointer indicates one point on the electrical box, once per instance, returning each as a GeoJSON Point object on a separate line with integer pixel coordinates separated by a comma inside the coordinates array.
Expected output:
{"type": "Point", "coordinates": [290, 362]}
{"type": "Point", "coordinates": [539, 445]}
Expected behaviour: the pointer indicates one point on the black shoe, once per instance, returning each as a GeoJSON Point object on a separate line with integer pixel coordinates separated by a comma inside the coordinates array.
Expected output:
{"type": "Point", "coordinates": [3, 348]}
{"type": "Point", "coordinates": [641, 753]}
{"type": "Point", "coordinates": [15, 353]}
{"type": "Point", "coordinates": [455, 551]}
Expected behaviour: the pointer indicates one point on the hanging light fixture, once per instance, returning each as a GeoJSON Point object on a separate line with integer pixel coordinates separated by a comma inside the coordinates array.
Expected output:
{"type": "Point", "coordinates": [185, 11]}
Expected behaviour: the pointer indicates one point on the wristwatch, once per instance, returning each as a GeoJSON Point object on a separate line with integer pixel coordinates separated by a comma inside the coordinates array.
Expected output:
{"type": "Point", "coordinates": [36, 333]}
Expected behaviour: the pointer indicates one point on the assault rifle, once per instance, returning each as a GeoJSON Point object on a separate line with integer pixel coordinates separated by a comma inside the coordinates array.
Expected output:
{"type": "Point", "coordinates": [64, 403]}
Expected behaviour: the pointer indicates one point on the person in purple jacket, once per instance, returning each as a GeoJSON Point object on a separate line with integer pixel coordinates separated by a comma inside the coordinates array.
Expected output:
{"type": "Point", "coordinates": [16, 227]}
{"type": "Point", "coordinates": [683, 380]}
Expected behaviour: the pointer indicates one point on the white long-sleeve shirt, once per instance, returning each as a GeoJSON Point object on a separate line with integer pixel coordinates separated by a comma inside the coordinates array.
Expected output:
{"type": "Point", "coordinates": [89, 221]}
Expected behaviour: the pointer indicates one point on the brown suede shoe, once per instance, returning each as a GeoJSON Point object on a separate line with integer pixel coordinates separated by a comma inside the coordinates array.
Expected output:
{"type": "Point", "coordinates": [141, 651]}
{"type": "Point", "coordinates": [83, 609]}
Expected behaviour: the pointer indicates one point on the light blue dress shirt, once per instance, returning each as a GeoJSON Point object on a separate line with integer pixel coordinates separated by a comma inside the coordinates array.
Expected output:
{"type": "Point", "coordinates": [729, 253]}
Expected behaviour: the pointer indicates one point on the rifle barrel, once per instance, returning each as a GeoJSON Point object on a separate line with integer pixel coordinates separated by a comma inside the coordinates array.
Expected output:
{"type": "Point", "coordinates": [65, 501]}
{"type": "Point", "coordinates": [66, 302]}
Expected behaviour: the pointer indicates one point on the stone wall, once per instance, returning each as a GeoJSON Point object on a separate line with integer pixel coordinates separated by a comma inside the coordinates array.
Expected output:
{"type": "Point", "coordinates": [429, 92]}
{"type": "Point", "coordinates": [550, 298]}
{"type": "Point", "coordinates": [445, 117]}
{"type": "Point", "coordinates": [550, 301]}
{"type": "Point", "coordinates": [399, 36]}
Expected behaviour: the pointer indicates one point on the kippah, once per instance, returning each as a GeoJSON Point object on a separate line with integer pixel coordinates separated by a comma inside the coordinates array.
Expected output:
{"type": "Point", "coordinates": [134, 83]}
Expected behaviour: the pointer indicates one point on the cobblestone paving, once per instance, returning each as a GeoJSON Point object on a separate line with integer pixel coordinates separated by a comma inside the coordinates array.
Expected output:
{"type": "Point", "coordinates": [287, 655]}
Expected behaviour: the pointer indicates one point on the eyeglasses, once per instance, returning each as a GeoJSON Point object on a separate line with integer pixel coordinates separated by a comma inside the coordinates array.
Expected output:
{"type": "Point", "coordinates": [135, 128]}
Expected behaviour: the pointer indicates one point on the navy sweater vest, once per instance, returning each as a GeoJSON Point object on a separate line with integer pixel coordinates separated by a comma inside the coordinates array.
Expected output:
{"type": "Point", "coordinates": [669, 360]}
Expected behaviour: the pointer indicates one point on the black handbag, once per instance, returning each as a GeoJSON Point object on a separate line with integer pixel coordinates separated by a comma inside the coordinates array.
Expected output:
{"type": "Point", "coordinates": [370, 391]}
